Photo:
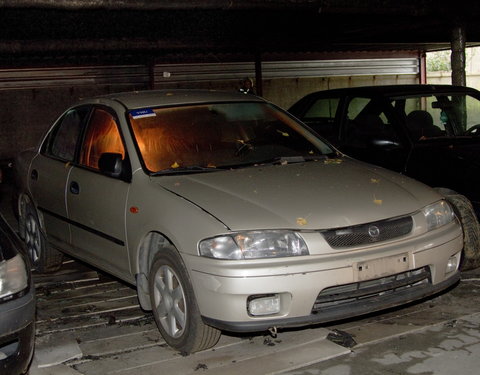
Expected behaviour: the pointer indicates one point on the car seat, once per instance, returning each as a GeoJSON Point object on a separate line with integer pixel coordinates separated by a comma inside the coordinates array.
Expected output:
{"type": "Point", "coordinates": [420, 125]}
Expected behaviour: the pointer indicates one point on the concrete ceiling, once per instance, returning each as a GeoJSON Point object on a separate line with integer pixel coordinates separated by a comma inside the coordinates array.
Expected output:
{"type": "Point", "coordinates": [50, 30]}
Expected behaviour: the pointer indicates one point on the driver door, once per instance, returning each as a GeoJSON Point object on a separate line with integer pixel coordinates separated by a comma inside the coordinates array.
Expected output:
{"type": "Point", "coordinates": [95, 201]}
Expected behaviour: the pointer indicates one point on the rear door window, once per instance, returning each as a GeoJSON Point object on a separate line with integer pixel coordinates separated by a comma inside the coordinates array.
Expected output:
{"type": "Point", "coordinates": [62, 140]}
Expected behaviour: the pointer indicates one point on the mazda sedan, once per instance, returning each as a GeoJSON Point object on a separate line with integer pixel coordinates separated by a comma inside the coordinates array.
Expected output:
{"type": "Point", "coordinates": [226, 213]}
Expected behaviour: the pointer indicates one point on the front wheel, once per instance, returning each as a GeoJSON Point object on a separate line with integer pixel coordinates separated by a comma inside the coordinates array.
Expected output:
{"type": "Point", "coordinates": [44, 258]}
{"type": "Point", "coordinates": [471, 230]}
{"type": "Point", "coordinates": [174, 307]}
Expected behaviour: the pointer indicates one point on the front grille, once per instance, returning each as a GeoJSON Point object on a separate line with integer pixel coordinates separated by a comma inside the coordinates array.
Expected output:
{"type": "Point", "coordinates": [368, 233]}
{"type": "Point", "coordinates": [343, 295]}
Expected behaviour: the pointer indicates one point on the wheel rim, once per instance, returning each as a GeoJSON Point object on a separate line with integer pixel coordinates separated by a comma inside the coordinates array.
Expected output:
{"type": "Point", "coordinates": [32, 238]}
{"type": "Point", "coordinates": [170, 304]}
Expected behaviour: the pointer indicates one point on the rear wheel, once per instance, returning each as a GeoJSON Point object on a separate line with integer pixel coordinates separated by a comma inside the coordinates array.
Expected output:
{"type": "Point", "coordinates": [174, 307]}
{"type": "Point", "coordinates": [471, 230]}
{"type": "Point", "coordinates": [44, 258]}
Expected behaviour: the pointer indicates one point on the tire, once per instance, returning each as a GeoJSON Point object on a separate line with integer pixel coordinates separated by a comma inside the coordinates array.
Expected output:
{"type": "Point", "coordinates": [471, 230]}
{"type": "Point", "coordinates": [174, 307]}
{"type": "Point", "coordinates": [44, 258]}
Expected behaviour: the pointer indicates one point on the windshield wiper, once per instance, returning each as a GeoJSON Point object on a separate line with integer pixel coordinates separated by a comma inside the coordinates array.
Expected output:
{"type": "Point", "coordinates": [292, 159]}
{"type": "Point", "coordinates": [187, 169]}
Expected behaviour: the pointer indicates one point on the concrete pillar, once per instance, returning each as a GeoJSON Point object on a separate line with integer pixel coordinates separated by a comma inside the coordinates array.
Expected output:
{"type": "Point", "coordinates": [458, 56]}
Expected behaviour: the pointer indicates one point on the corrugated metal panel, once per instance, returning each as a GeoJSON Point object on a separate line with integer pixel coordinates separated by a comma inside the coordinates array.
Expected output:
{"type": "Point", "coordinates": [137, 75]}
{"type": "Point", "coordinates": [177, 73]}
{"type": "Point", "coordinates": [73, 76]}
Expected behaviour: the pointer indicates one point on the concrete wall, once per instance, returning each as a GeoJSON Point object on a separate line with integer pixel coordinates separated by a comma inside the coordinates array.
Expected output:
{"type": "Point", "coordinates": [285, 92]}
{"type": "Point", "coordinates": [473, 79]}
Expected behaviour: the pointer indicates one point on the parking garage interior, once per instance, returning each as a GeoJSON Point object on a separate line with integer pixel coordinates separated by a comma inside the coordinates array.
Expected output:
{"type": "Point", "coordinates": [53, 52]}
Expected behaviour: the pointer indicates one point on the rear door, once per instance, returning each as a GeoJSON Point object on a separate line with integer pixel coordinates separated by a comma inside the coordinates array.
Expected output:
{"type": "Point", "coordinates": [49, 173]}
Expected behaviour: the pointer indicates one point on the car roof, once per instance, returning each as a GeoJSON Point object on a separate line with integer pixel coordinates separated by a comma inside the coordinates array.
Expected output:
{"type": "Point", "coordinates": [388, 90]}
{"type": "Point", "coordinates": [155, 98]}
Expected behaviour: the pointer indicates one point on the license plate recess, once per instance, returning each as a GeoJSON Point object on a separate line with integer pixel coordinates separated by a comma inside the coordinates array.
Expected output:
{"type": "Point", "coordinates": [376, 268]}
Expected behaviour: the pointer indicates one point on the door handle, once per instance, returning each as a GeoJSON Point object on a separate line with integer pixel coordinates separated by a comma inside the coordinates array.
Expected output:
{"type": "Point", "coordinates": [34, 175]}
{"type": "Point", "coordinates": [74, 187]}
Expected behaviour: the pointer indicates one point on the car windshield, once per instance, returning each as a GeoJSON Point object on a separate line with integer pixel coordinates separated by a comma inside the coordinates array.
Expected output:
{"type": "Point", "coordinates": [221, 135]}
{"type": "Point", "coordinates": [440, 115]}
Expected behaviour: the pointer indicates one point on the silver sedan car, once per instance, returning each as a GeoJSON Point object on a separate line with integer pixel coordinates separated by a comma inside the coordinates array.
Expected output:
{"type": "Point", "coordinates": [227, 213]}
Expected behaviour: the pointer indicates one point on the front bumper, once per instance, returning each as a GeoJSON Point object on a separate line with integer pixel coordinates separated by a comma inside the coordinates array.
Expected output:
{"type": "Point", "coordinates": [356, 308]}
{"type": "Point", "coordinates": [223, 288]}
{"type": "Point", "coordinates": [17, 334]}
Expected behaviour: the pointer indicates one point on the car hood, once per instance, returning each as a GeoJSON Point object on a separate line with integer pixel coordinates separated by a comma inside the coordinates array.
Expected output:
{"type": "Point", "coordinates": [313, 195]}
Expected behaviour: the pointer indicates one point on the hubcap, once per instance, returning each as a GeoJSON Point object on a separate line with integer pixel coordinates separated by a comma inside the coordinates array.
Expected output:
{"type": "Point", "coordinates": [32, 238]}
{"type": "Point", "coordinates": [170, 303]}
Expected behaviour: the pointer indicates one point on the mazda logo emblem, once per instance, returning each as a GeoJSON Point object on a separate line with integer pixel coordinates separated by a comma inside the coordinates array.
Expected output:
{"type": "Point", "coordinates": [373, 231]}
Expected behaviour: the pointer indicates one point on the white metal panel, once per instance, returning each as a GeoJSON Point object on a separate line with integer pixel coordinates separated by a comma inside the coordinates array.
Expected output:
{"type": "Point", "coordinates": [138, 75]}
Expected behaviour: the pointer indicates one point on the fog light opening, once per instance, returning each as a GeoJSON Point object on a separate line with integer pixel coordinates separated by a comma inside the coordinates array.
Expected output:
{"type": "Point", "coordinates": [264, 304]}
{"type": "Point", "coordinates": [452, 263]}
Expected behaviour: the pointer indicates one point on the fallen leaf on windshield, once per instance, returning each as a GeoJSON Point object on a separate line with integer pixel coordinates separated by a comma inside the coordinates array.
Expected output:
{"type": "Point", "coordinates": [283, 133]}
{"type": "Point", "coordinates": [377, 201]}
{"type": "Point", "coordinates": [175, 165]}
{"type": "Point", "coordinates": [301, 221]}
{"type": "Point", "coordinates": [375, 180]}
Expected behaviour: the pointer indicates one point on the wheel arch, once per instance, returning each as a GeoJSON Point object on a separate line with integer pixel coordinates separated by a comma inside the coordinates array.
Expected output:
{"type": "Point", "coordinates": [445, 191]}
{"type": "Point", "coordinates": [465, 212]}
{"type": "Point", "coordinates": [151, 245]}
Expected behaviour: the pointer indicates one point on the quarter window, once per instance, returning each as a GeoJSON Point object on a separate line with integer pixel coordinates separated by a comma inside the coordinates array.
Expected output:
{"type": "Point", "coordinates": [102, 135]}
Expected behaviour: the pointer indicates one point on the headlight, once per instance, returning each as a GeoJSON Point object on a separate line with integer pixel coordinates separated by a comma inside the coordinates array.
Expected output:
{"type": "Point", "coordinates": [13, 277]}
{"type": "Point", "coordinates": [254, 245]}
{"type": "Point", "coordinates": [438, 214]}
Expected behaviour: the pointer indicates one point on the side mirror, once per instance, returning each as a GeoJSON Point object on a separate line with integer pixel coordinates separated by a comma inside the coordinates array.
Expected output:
{"type": "Point", "coordinates": [111, 164]}
{"type": "Point", "coordinates": [385, 143]}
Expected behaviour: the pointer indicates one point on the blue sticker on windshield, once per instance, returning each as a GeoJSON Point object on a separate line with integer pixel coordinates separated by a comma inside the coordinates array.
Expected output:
{"type": "Point", "coordinates": [140, 113]}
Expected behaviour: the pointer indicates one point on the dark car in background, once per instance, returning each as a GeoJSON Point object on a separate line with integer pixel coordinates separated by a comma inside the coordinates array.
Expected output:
{"type": "Point", "coordinates": [428, 132]}
{"type": "Point", "coordinates": [17, 304]}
